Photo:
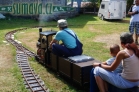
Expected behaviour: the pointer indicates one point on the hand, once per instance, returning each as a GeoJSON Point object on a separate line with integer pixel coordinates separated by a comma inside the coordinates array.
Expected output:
{"type": "Point", "coordinates": [50, 44]}
{"type": "Point", "coordinates": [95, 64]}
{"type": "Point", "coordinates": [61, 43]}
{"type": "Point", "coordinates": [136, 12]}
{"type": "Point", "coordinates": [49, 47]}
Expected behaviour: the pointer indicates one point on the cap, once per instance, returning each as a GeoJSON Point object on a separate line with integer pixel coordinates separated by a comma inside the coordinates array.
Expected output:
{"type": "Point", "coordinates": [62, 23]}
{"type": "Point", "coordinates": [126, 37]}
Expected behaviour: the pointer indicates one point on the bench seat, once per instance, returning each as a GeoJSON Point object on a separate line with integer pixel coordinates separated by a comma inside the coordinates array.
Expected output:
{"type": "Point", "coordinates": [80, 58]}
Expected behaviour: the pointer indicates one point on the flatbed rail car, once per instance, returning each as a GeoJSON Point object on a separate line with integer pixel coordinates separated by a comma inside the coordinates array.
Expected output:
{"type": "Point", "coordinates": [76, 68]}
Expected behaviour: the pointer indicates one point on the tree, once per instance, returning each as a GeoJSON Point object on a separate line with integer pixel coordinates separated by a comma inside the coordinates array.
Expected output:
{"type": "Point", "coordinates": [129, 4]}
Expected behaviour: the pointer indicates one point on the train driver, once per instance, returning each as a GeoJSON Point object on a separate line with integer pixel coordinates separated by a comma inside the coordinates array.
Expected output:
{"type": "Point", "coordinates": [70, 45]}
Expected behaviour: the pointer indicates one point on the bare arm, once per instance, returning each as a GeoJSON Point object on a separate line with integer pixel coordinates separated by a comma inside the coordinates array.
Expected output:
{"type": "Point", "coordinates": [53, 41]}
{"type": "Point", "coordinates": [120, 56]}
{"type": "Point", "coordinates": [130, 12]}
{"type": "Point", "coordinates": [133, 13]}
{"type": "Point", "coordinates": [104, 63]}
{"type": "Point", "coordinates": [116, 62]}
{"type": "Point", "coordinates": [97, 64]}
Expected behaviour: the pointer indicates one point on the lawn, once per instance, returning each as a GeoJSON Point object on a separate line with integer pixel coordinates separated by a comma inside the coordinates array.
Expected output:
{"type": "Point", "coordinates": [95, 34]}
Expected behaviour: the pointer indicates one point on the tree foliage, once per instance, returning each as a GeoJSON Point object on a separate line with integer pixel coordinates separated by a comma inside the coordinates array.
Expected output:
{"type": "Point", "coordinates": [129, 4]}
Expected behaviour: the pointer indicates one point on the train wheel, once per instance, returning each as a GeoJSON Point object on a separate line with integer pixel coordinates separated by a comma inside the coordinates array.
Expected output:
{"type": "Point", "coordinates": [36, 58]}
{"type": "Point", "coordinates": [39, 52]}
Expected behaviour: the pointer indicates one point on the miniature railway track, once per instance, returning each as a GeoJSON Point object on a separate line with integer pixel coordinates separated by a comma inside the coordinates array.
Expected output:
{"type": "Point", "coordinates": [32, 80]}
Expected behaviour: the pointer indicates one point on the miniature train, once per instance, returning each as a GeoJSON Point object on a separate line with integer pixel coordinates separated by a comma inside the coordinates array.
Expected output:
{"type": "Point", "coordinates": [76, 68]}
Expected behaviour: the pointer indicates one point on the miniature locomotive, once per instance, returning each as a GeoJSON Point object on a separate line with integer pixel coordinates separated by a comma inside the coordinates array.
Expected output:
{"type": "Point", "coordinates": [76, 68]}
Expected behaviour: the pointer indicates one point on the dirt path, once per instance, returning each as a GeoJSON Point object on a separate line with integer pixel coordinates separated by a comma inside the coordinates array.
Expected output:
{"type": "Point", "coordinates": [108, 39]}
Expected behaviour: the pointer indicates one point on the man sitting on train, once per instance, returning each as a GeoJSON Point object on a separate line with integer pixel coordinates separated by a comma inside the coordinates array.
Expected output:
{"type": "Point", "coordinates": [71, 46]}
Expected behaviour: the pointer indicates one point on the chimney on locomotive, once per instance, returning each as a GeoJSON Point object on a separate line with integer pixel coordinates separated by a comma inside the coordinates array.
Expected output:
{"type": "Point", "coordinates": [40, 30]}
{"type": "Point", "coordinates": [38, 45]}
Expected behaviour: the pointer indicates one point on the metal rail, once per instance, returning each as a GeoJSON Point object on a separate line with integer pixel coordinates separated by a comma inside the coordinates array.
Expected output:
{"type": "Point", "coordinates": [32, 80]}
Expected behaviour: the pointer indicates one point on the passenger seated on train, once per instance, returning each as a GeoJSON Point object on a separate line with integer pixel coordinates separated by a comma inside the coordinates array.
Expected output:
{"type": "Point", "coordinates": [70, 46]}
{"type": "Point", "coordinates": [114, 49]}
{"type": "Point", "coordinates": [130, 75]}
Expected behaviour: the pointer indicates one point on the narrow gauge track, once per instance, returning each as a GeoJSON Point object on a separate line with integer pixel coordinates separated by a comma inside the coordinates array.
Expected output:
{"type": "Point", "coordinates": [32, 80]}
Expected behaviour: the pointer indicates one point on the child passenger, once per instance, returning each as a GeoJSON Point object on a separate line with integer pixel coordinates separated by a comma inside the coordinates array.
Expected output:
{"type": "Point", "coordinates": [114, 49]}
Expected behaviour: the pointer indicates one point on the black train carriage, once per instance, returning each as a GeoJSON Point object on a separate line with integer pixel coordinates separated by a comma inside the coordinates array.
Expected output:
{"type": "Point", "coordinates": [76, 68]}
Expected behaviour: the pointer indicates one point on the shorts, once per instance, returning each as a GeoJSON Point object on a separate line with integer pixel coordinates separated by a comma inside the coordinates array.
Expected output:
{"type": "Point", "coordinates": [114, 78]}
{"type": "Point", "coordinates": [134, 25]}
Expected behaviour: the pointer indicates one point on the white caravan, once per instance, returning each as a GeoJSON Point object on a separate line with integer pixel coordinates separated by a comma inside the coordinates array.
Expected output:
{"type": "Point", "coordinates": [112, 9]}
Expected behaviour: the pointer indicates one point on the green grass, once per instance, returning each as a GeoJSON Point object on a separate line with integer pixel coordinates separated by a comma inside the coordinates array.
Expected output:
{"type": "Point", "coordinates": [87, 27]}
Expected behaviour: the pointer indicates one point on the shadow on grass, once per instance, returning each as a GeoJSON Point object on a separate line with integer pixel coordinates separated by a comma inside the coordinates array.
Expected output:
{"type": "Point", "coordinates": [124, 20]}
{"type": "Point", "coordinates": [81, 20]}
{"type": "Point", "coordinates": [117, 21]}
{"type": "Point", "coordinates": [75, 22]}
{"type": "Point", "coordinates": [13, 23]}
{"type": "Point", "coordinates": [17, 22]}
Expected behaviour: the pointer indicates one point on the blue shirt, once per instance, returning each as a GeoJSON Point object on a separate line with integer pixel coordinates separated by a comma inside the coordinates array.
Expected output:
{"type": "Point", "coordinates": [68, 40]}
{"type": "Point", "coordinates": [119, 68]}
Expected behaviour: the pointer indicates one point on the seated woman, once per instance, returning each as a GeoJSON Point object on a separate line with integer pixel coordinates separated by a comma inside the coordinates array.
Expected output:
{"type": "Point", "coordinates": [130, 58]}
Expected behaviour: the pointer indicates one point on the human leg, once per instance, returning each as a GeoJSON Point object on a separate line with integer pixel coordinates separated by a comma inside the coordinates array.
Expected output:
{"type": "Point", "coordinates": [105, 86]}
{"type": "Point", "coordinates": [93, 85]}
{"type": "Point", "coordinates": [131, 29]}
{"type": "Point", "coordinates": [136, 38]}
{"type": "Point", "coordinates": [114, 78]}
{"type": "Point", "coordinates": [100, 84]}
{"type": "Point", "coordinates": [60, 50]}
{"type": "Point", "coordinates": [136, 31]}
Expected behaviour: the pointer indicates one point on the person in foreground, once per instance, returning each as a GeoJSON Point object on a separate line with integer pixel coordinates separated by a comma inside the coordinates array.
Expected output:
{"type": "Point", "coordinates": [130, 75]}
{"type": "Point", "coordinates": [114, 49]}
{"type": "Point", "coordinates": [70, 45]}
